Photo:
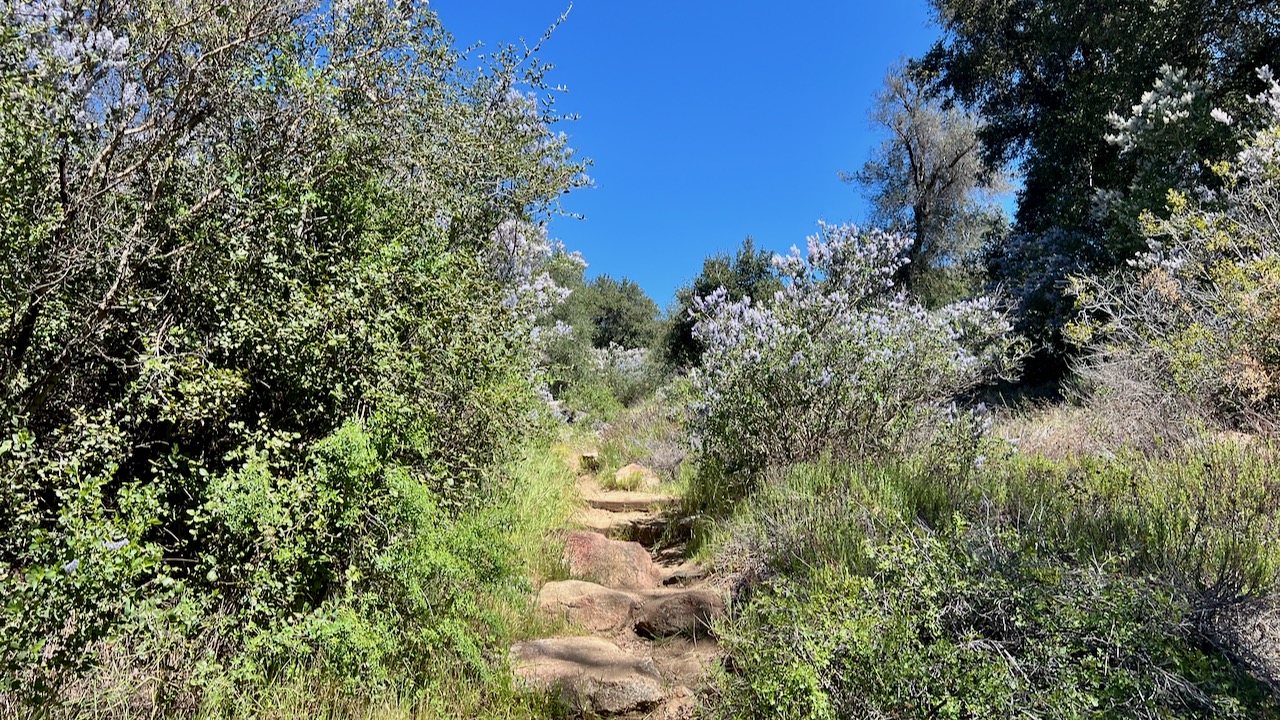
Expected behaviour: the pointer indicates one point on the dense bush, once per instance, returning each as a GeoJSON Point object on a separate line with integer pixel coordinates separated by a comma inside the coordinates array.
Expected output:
{"type": "Point", "coordinates": [1195, 316]}
{"type": "Point", "coordinates": [836, 363]}
{"type": "Point", "coordinates": [269, 274]}
{"type": "Point", "coordinates": [976, 626]}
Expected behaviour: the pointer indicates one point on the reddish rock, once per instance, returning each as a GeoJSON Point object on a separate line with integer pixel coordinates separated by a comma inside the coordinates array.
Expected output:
{"type": "Point", "coordinates": [613, 563]}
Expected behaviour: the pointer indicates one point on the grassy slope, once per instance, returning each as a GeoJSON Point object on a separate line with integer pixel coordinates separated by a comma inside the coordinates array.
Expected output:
{"type": "Point", "coordinates": [941, 586]}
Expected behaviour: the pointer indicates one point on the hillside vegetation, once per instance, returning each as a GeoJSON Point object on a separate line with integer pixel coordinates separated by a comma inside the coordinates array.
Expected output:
{"type": "Point", "coordinates": [305, 410]}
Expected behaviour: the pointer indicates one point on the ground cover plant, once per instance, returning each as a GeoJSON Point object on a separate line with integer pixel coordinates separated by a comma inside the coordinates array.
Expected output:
{"type": "Point", "coordinates": [1060, 589]}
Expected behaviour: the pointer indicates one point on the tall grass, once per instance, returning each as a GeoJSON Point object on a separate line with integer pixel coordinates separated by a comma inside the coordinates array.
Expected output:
{"type": "Point", "coordinates": [1207, 519]}
{"type": "Point", "coordinates": [650, 433]}
{"type": "Point", "coordinates": [540, 500]}
{"type": "Point", "coordinates": [925, 587]}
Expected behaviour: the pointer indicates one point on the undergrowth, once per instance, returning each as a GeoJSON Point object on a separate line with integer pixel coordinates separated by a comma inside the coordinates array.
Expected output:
{"type": "Point", "coordinates": [999, 584]}
{"type": "Point", "coordinates": [468, 578]}
{"type": "Point", "coordinates": [467, 673]}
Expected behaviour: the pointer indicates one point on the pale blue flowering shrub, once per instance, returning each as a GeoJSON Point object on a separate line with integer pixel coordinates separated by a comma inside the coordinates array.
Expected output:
{"type": "Point", "coordinates": [838, 362]}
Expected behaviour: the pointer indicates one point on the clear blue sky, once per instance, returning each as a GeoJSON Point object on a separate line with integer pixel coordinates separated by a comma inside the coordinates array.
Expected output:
{"type": "Point", "coordinates": [707, 120]}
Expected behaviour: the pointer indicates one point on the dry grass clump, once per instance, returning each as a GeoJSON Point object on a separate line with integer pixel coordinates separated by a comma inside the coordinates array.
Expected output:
{"type": "Point", "coordinates": [1107, 408]}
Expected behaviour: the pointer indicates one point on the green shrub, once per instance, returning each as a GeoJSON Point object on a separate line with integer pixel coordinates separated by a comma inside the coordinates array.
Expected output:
{"type": "Point", "coordinates": [427, 605]}
{"type": "Point", "coordinates": [969, 624]}
{"type": "Point", "coordinates": [268, 341]}
{"type": "Point", "coordinates": [595, 400]}
{"type": "Point", "coordinates": [836, 363]}
{"type": "Point", "coordinates": [1194, 319]}
{"type": "Point", "coordinates": [959, 584]}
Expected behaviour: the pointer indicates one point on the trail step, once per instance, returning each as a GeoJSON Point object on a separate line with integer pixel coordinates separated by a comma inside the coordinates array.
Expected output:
{"type": "Point", "coordinates": [588, 605]}
{"type": "Point", "coordinates": [626, 501]}
{"type": "Point", "coordinates": [679, 612]}
{"type": "Point", "coordinates": [683, 573]}
{"type": "Point", "coordinates": [655, 613]}
{"type": "Point", "coordinates": [640, 527]}
{"type": "Point", "coordinates": [591, 674]}
{"type": "Point", "coordinates": [616, 564]}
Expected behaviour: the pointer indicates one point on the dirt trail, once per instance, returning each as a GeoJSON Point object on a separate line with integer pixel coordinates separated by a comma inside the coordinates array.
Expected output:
{"type": "Point", "coordinates": [647, 614]}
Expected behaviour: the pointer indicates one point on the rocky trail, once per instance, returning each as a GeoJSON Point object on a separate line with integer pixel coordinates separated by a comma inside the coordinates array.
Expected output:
{"type": "Point", "coordinates": [645, 614]}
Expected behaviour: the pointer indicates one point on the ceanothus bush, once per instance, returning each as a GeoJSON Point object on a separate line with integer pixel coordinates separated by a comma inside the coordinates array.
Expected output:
{"type": "Point", "coordinates": [839, 361]}
{"type": "Point", "coordinates": [519, 255]}
{"type": "Point", "coordinates": [1193, 320]}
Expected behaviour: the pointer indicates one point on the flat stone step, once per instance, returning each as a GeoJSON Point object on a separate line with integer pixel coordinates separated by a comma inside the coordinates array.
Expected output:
{"type": "Point", "coordinates": [662, 612]}
{"type": "Point", "coordinates": [624, 501]}
{"type": "Point", "coordinates": [685, 662]}
{"type": "Point", "coordinates": [682, 574]}
{"type": "Point", "coordinates": [641, 527]}
{"type": "Point", "coordinates": [591, 606]}
{"type": "Point", "coordinates": [591, 674]}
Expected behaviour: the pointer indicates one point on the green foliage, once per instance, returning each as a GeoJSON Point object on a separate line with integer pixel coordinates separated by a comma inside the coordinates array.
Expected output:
{"type": "Point", "coordinates": [1046, 75]}
{"type": "Point", "coordinates": [594, 399]}
{"type": "Point", "coordinates": [600, 353]}
{"type": "Point", "coordinates": [83, 575]}
{"type": "Point", "coordinates": [262, 358]}
{"type": "Point", "coordinates": [621, 314]}
{"type": "Point", "coordinates": [1194, 319]}
{"type": "Point", "coordinates": [962, 583]}
{"type": "Point", "coordinates": [975, 626]}
{"type": "Point", "coordinates": [1055, 80]}
{"type": "Point", "coordinates": [424, 627]}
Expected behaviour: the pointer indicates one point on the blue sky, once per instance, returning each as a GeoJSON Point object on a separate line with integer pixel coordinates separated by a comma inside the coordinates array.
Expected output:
{"type": "Point", "coordinates": [707, 120]}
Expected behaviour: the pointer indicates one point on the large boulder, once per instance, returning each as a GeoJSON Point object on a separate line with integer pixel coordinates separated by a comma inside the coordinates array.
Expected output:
{"type": "Point", "coordinates": [591, 674]}
{"type": "Point", "coordinates": [636, 477]}
{"type": "Point", "coordinates": [612, 563]}
{"type": "Point", "coordinates": [588, 605]}
{"type": "Point", "coordinates": [687, 612]}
